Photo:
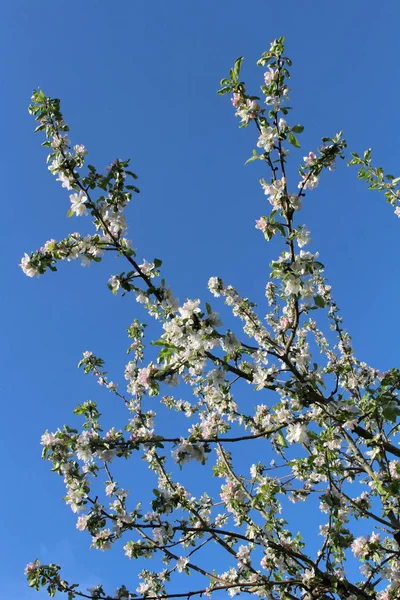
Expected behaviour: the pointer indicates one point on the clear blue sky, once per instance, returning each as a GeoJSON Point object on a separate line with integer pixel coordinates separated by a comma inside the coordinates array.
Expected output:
{"type": "Point", "coordinates": [138, 79]}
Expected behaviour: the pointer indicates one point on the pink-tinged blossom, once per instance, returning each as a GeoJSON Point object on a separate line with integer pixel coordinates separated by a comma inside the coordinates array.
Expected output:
{"type": "Point", "coordinates": [270, 75]}
{"type": "Point", "coordinates": [243, 556]}
{"type": "Point", "coordinates": [262, 224]}
{"type": "Point", "coordinates": [375, 538]}
{"type": "Point", "coordinates": [81, 523]}
{"type": "Point", "coordinates": [113, 434]}
{"type": "Point", "coordinates": [144, 376]}
{"type": "Point", "coordinates": [60, 141]}
{"type": "Point", "coordinates": [80, 149]}
{"type": "Point", "coordinates": [231, 492]}
{"type": "Point", "coordinates": [248, 110]}
{"type": "Point", "coordinates": [48, 440]}
{"type": "Point", "coordinates": [308, 182]}
{"type": "Point", "coordinates": [394, 468]}
{"type": "Point", "coordinates": [284, 324]}
{"type": "Point", "coordinates": [83, 450]}
{"type": "Point", "coordinates": [394, 575]}
{"type": "Point", "coordinates": [115, 224]}
{"type": "Point", "coordinates": [48, 246]}
{"type": "Point", "coordinates": [102, 539]}
{"type": "Point", "coordinates": [31, 567]}
{"type": "Point", "coordinates": [110, 488]}
{"type": "Point", "coordinates": [361, 546]}
{"type": "Point", "coordinates": [366, 570]}
{"type": "Point", "coordinates": [270, 292]}
{"type": "Point", "coordinates": [74, 500]}
{"type": "Point", "coordinates": [267, 138]}
{"type": "Point", "coordinates": [277, 99]}
{"type": "Point", "coordinates": [254, 471]}
{"type": "Point", "coordinates": [151, 516]}
{"type": "Point", "coordinates": [236, 99]}
{"type": "Point", "coordinates": [27, 267]}
{"type": "Point", "coordinates": [274, 191]}
{"type": "Point", "coordinates": [310, 158]}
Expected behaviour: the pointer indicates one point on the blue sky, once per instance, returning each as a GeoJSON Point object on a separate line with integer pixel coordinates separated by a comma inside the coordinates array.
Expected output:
{"type": "Point", "coordinates": [138, 79]}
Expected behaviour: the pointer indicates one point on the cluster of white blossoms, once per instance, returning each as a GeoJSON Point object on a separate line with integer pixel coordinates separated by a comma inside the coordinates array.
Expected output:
{"type": "Point", "coordinates": [247, 109]}
{"type": "Point", "coordinates": [231, 494]}
{"type": "Point", "coordinates": [187, 451]}
{"type": "Point", "coordinates": [363, 546]}
{"type": "Point", "coordinates": [296, 433]}
{"type": "Point", "coordinates": [109, 218]}
{"type": "Point", "coordinates": [142, 380]}
{"type": "Point", "coordinates": [267, 139]}
{"type": "Point", "coordinates": [63, 157]}
{"type": "Point", "coordinates": [275, 191]}
{"type": "Point", "coordinates": [86, 248]}
{"type": "Point", "coordinates": [191, 335]}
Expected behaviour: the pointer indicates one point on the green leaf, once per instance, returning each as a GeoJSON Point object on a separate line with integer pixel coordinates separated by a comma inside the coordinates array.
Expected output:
{"type": "Point", "coordinates": [70, 214]}
{"type": "Point", "coordinates": [237, 66]}
{"type": "Point", "coordinates": [157, 263]}
{"type": "Point", "coordinates": [224, 90]}
{"type": "Point", "coordinates": [280, 440]}
{"type": "Point", "coordinates": [158, 343]}
{"type": "Point", "coordinates": [293, 140]}
{"type": "Point", "coordinates": [280, 228]}
{"type": "Point", "coordinates": [254, 157]}
{"type": "Point", "coordinates": [298, 128]}
{"type": "Point", "coordinates": [319, 301]}
{"type": "Point", "coordinates": [390, 413]}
